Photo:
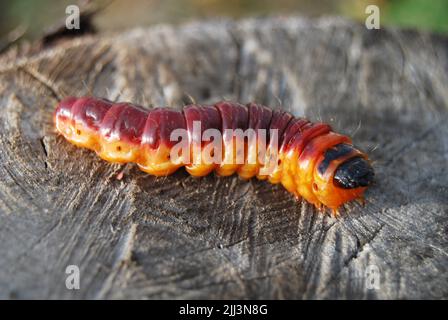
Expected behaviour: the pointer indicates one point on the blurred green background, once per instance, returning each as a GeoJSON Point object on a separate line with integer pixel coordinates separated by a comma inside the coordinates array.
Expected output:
{"type": "Point", "coordinates": [31, 17]}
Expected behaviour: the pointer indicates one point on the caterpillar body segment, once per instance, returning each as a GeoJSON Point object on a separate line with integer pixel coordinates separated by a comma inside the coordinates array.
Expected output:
{"type": "Point", "coordinates": [311, 161]}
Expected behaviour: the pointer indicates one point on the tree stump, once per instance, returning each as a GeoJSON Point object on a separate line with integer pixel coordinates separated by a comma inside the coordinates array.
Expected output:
{"type": "Point", "coordinates": [180, 237]}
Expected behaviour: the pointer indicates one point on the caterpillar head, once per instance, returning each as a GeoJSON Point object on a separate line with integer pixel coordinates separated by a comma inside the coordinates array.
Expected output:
{"type": "Point", "coordinates": [354, 173]}
{"type": "Point", "coordinates": [342, 175]}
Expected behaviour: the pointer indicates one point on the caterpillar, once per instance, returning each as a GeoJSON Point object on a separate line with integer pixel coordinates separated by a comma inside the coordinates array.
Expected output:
{"type": "Point", "coordinates": [311, 161]}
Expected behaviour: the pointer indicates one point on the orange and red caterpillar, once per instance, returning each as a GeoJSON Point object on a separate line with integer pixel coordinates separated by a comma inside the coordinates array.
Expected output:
{"type": "Point", "coordinates": [313, 162]}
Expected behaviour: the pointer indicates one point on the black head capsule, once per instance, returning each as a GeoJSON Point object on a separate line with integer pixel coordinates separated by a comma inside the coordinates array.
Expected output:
{"type": "Point", "coordinates": [354, 173]}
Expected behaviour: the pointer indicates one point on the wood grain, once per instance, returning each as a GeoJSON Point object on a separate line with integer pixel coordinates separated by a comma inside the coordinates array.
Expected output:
{"type": "Point", "coordinates": [180, 237]}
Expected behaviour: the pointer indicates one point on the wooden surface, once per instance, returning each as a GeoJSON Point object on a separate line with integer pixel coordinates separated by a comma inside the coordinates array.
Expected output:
{"type": "Point", "coordinates": [179, 237]}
